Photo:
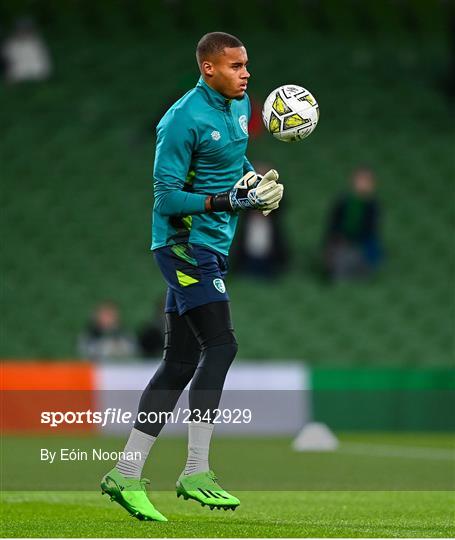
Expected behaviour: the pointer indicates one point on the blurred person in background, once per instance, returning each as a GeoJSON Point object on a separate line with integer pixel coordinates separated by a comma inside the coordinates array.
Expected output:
{"type": "Point", "coordinates": [261, 249]}
{"type": "Point", "coordinates": [150, 336]}
{"type": "Point", "coordinates": [104, 337]}
{"type": "Point", "coordinates": [352, 245]}
{"type": "Point", "coordinates": [25, 56]}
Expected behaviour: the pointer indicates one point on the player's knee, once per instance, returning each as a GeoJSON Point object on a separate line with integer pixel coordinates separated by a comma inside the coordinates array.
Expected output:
{"type": "Point", "coordinates": [227, 342]}
{"type": "Point", "coordinates": [181, 371]}
{"type": "Point", "coordinates": [181, 355]}
{"type": "Point", "coordinates": [230, 353]}
{"type": "Point", "coordinates": [173, 375]}
{"type": "Point", "coordinates": [226, 337]}
{"type": "Point", "coordinates": [219, 352]}
{"type": "Point", "coordinates": [233, 346]}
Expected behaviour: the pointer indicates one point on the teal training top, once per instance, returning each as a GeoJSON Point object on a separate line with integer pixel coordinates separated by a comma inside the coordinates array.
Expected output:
{"type": "Point", "coordinates": [200, 151]}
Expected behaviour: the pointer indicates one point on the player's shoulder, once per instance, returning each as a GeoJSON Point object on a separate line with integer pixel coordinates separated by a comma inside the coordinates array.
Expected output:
{"type": "Point", "coordinates": [183, 110]}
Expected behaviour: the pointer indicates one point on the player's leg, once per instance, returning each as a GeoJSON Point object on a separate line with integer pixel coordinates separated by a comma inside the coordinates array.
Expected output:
{"type": "Point", "coordinates": [180, 359]}
{"type": "Point", "coordinates": [211, 324]}
{"type": "Point", "coordinates": [195, 275]}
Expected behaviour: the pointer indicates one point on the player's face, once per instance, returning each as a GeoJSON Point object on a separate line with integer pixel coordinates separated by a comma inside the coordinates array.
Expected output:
{"type": "Point", "coordinates": [228, 73]}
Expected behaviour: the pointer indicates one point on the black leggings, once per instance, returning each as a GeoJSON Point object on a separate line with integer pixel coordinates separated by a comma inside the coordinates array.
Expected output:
{"type": "Point", "coordinates": [199, 346]}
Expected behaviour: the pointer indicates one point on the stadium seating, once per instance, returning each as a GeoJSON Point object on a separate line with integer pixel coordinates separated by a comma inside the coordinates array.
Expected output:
{"type": "Point", "coordinates": [76, 157]}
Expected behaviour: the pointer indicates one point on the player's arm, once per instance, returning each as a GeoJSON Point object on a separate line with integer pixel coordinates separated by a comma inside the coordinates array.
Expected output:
{"type": "Point", "coordinates": [249, 193]}
{"type": "Point", "coordinates": [248, 181]}
{"type": "Point", "coordinates": [176, 140]}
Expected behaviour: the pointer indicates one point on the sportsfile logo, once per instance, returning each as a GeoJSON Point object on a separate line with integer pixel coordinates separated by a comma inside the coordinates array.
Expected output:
{"type": "Point", "coordinates": [112, 416]}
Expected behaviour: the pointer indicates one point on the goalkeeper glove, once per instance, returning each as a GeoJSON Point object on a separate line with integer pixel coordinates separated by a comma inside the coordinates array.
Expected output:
{"type": "Point", "coordinates": [249, 193]}
{"type": "Point", "coordinates": [270, 175]}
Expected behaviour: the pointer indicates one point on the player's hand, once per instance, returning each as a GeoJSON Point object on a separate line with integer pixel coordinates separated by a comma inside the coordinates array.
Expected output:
{"type": "Point", "coordinates": [249, 193]}
{"type": "Point", "coordinates": [270, 176]}
{"type": "Point", "coordinates": [253, 193]}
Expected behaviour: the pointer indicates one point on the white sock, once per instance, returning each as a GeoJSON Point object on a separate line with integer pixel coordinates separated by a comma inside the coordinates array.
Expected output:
{"type": "Point", "coordinates": [139, 443]}
{"type": "Point", "coordinates": [199, 435]}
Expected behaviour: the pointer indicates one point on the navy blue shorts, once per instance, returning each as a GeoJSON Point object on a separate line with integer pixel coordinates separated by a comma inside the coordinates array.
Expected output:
{"type": "Point", "coordinates": [194, 275]}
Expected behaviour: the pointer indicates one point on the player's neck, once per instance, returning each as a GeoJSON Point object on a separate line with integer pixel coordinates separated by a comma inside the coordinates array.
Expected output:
{"type": "Point", "coordinates": [208, 83]}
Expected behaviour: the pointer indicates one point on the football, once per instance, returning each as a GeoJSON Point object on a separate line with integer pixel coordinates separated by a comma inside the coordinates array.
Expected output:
{"type": "Point", "coordinates": [290, 113]}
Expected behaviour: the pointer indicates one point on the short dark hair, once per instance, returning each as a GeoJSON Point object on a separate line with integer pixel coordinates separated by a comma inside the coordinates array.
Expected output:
{"type": "Point", "coordinates": [214, 43]}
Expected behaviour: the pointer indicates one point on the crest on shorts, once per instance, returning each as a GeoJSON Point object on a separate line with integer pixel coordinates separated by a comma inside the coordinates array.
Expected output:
{"type": "Point", "coordinates": [216, 135]}
{"type": "Point", "coordinates": [219, 285]}
{"type": "Point", "coordinates": [243, 123]}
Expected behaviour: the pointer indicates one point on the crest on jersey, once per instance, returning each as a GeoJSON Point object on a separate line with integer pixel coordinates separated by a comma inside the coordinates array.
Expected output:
{"type": "Point", "coordinates": [216, 135]}
{"type": "Point", "coordinates": [243, 123]}
{"type": "Point", "coordinates": [219, 285]}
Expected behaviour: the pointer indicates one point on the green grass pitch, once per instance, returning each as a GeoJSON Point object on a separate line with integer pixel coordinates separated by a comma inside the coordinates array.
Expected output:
{"type": "Point", "coordinates": [375, 485]}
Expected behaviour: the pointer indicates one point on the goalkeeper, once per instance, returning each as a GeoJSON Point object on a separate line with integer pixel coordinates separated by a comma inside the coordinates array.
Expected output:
{"type": "Point", "coordinates": [202, 181]}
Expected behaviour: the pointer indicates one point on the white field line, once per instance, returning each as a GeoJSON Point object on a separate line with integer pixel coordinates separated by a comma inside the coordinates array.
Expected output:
{"type": "Point", "coordinates": [405, 452]}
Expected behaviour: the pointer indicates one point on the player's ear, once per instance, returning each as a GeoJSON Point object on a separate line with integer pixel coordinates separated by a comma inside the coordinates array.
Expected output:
{"type": "Point", "coordinates": [207, 68]}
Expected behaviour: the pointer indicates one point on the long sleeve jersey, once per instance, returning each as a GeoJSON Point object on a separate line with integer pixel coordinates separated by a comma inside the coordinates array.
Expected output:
{"type": "Point", "coordinates": [200, 151]}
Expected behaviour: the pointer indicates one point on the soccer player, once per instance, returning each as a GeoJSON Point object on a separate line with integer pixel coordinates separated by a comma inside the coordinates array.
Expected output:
{"type": "Point", "coordinates": [202, 181]}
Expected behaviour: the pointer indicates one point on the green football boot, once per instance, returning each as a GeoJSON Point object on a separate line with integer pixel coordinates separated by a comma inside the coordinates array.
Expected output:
{"type": "Point", "coordinates": [203, 488]}
{"type": "Point", "coordinates": [130, 493]}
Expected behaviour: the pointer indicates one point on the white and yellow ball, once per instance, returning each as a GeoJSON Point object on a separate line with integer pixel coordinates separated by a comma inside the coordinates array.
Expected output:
{"type": "Point", "coordinates": [290, 113]}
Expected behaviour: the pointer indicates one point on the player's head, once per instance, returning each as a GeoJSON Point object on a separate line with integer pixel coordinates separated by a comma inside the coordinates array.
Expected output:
{"type": "Point", "coordinates": [222, 60]}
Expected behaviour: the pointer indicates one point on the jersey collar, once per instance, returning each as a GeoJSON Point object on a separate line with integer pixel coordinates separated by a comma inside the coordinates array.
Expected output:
{"type": "Point", "coordinates": [214, 98]}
